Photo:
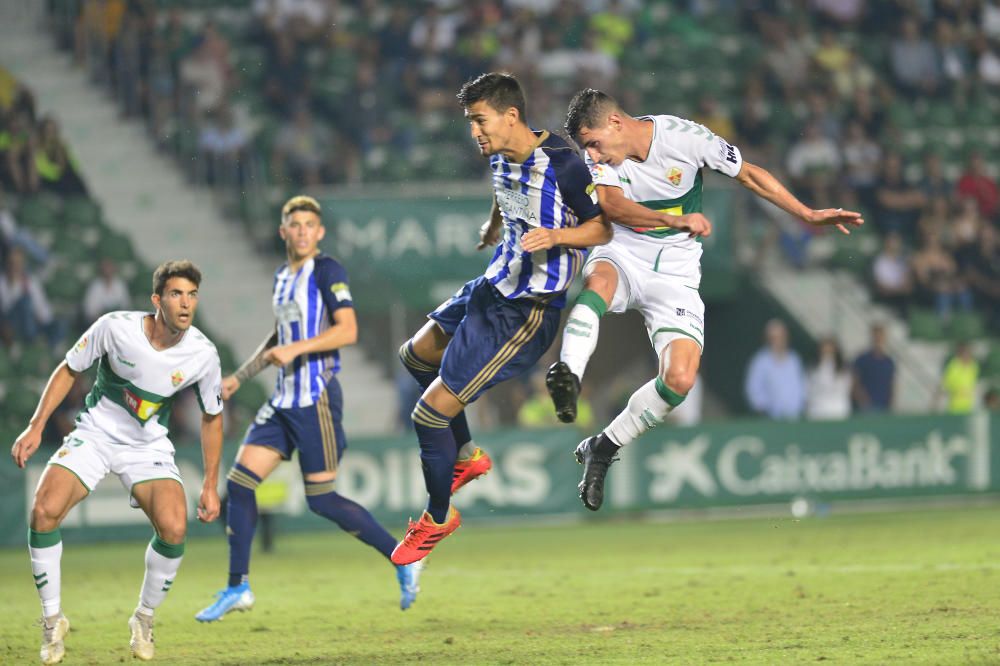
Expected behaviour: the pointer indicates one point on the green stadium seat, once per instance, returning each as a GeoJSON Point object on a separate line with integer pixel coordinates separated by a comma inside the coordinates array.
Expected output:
{"type": "Point", "coordinates": [925, 324]}
{"type": "Point", "coordinates": [65, 286]}
{"type": "Point", "coordinates": [35, 213]}
{"type": "Point", "coordinates": [34, 361]}
{"type": "Point", "coordinates": [991, 364]}
{"type": "Point", "coordinates": [967, 326]}
{"type": "Point", "coordinates": [82, 212]}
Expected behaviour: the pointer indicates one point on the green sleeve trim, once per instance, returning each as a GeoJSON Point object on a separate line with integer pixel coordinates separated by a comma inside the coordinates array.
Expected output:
{"type": "Point", "coordinates": [171, 550]}
{"type": "Point", "coordinates": [44, 539]}
{"type": "Point", "coordinates": [589, 298]}
{"type": "Point", "coordinates": [670, 397]}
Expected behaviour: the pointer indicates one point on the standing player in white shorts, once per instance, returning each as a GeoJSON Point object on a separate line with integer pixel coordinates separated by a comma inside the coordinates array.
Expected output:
{"type": "Point", "coordinates": [647, 171]}
{"type": "Point", "coordinates": [144, 361]}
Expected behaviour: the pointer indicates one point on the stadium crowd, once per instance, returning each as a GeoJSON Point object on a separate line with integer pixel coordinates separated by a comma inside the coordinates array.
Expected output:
{"type": "Point", "coordinates": [898, 122]}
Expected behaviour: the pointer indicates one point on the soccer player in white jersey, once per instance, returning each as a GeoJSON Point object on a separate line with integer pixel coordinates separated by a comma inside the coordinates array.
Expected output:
{"type": "Point", "coordinates": [314, 318]}
{"type": "Point", "coordinates": [647, 171]}
{"type": "Point", "coordinates": [144, 360]}
{"type": "Point", "coordinates": [498, 325]}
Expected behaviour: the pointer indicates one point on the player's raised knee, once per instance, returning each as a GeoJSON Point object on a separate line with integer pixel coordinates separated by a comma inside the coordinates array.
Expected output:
{"type": "Point", "coordinates": [45, 515]}
{"type": "Point", "coordinates": [680, 380]}
{"type": "Point", "coordinates": [172, 531]}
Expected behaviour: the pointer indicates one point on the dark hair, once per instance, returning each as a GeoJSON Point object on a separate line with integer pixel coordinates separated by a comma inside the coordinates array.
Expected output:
{"type": "Point", "coordinates": [171, 269]}
{"type": "Point", "coordinates": [300, 202]}
{"type": "Point", "coordinates": [588, 108]}
{"type": "Point", "coordinates": [838, 356]}
{"type": "Point", "coordinates": [501, 91]}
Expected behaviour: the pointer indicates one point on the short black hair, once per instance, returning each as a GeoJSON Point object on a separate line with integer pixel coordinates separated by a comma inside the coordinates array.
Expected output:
{"type": "Point", "coordinates": [171, 269]}
{"type": "Point", "coordinates": [588, 108]}
{"type": "Point", "coordinates": [501, 91]}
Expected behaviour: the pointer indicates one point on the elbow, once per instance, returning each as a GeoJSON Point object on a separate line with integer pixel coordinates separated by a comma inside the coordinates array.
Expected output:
{"type": "Point", "coordinates": [351, 336]}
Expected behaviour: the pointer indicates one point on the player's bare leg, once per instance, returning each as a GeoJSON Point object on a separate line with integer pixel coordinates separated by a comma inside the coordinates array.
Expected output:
{"type": "Point", "coordinates": [164, 503]}
{"type": "Point", "coordinates": [647, 408]}
{"type": "Point", "coordinates": [59, 490]}
{"type": "Point", "coordinates": [254, 463]}
{"type": "Point", "coordinates": [438, 451]}
{"type": "Point", "coordinates": [580, 338]}
{"type": "Point", "coordinates": [421, 356]}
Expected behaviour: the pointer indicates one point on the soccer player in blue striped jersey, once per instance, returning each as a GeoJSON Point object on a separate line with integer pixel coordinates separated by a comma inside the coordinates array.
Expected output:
{"type": "Point", "coordinates": [497, 326]}
{"type": "Point", "coordinates": [314, 318]}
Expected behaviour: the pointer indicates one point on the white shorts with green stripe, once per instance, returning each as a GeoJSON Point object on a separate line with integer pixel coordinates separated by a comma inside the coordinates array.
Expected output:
{"type": "Point", "coordinates": [670, 304]}
{"type": "Point", "coordinates": [90, 457]}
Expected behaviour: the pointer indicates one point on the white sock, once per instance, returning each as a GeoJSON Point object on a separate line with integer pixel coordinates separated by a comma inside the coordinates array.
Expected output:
{"type": "Point", "coordinates": [46, 555]}
{"type": "Point", "coordinates": [579, 339]}
{"type": "Point", "coordinates": [467, 450]}
{"type": "Point", "coordinates": [646, 409]}
{"type": "Point", "coordinates": [162, 562]}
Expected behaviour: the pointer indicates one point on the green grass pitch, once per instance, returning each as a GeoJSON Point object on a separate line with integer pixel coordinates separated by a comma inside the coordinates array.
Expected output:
{"type": "Point", "coordinates": [906, 588]}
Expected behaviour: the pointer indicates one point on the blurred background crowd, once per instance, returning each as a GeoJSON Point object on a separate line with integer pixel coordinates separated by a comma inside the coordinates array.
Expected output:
{"type": "Point", "coordinates": [886, 107]}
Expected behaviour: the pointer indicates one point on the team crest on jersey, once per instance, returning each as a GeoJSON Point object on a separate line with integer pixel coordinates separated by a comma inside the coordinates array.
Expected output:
{"type": "Point", "coordinates": [176, 377]}
{"type": "Point", "coordinates": [62, 452]}
{"type": "Point", "coordinates": [674, 176]}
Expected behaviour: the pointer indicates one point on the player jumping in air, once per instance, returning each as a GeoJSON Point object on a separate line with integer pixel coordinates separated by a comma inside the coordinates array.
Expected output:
{"type": "Point", "coordinates": [144, 360]}
{"type": "Point", "coordinates": [498, 325]}
{"type": "Point", "coordinates": [647, 171]}
{"type": "Point", "coordinates": [314, 318]}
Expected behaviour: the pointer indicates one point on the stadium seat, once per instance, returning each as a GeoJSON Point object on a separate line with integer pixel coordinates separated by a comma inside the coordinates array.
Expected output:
{"type": "Point", "coordinates": [991, 364]}
{"type": "Point", "coordinates": [82, 212]}
{"type": "Point", "coordinates": [967, 326]}
{"type": "Point", "coordinates": [925, 324]}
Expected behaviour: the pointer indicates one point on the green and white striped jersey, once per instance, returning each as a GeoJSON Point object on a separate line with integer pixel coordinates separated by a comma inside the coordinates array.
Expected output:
{"type": "Point", "coordinates": [137, 384]}
{"type": "Point", "coordinates": [669, 180]}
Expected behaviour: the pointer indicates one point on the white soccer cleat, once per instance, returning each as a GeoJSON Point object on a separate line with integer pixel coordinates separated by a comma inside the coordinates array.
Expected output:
{"type": "Point", "coordinates": [53, 650]}
{"type": "Point", "coordinates": [142, 635]}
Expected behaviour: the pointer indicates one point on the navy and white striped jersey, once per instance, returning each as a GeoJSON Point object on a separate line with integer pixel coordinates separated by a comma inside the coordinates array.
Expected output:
{"type": "Point", "coordinates": [552, 188]}
{"type": "Point", "coordinates": [304, 302]}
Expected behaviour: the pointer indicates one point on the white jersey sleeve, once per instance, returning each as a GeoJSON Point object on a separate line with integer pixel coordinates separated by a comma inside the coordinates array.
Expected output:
{"type": "Point", "coordinates": [91, 346]}
{"type": "Point", "coordinates": [713, 152]}
{"type": "Point", "coordinates": [208, 389]}
{"type": "Point", "coordinates": [602, 174]}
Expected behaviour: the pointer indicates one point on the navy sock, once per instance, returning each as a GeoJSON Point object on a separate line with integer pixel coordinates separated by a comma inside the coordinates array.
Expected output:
{"type": "Point", "coordinates": [349, 515]}
{"type": "Point", "coordinates": [438, 452]}
{"type": "Point", "coordinates": [241, 520]}
{"type": "Point", "coordinates": [425, 373]}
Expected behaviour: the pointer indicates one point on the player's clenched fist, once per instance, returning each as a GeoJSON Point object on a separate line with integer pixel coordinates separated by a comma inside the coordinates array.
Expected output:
{"type": "Point", "coordinates": [25, 445]}
{"type": "Point", "coordinates": [208, 504]}
{"type": "Point", "coordinates": [229, 386]}
{"type": "Point", "coordinates": [696, 224]}
{"type": "Point", "coordinates": [489, 234]}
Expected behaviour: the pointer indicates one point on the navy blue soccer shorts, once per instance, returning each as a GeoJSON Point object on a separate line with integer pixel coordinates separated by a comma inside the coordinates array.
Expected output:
{"type": "Point", "coordinates": [493, 338]}
{"type": "Point", "coordinates": [316, 430]}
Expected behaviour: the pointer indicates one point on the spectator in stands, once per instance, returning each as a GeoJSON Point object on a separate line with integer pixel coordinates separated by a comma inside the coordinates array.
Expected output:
{"type": "Point", "coordinates": [987, 61]}
{"type": "Point", "coordinates": [959, 380]}
{"type": "Point", "coordinates": [286, 79]}
{"type": "Point", "coordinates": [991, 399]}
{"type": "Point", "coordinates": [813, 163]}
{"type": "Point", "coordinates": [933, 182]}
{"type": "Point", "coordinates": [17, 145]}
{"type": "Point", "coordinates": [937, 279]}
{"type": "Point", "coordinates": [12, 234]}
{"type": "Point", "coordinates": [787, 59]}
{"type": "Point", "coordinates": [963, 230]}
{"type": "Point", "coordinates": [862, 159]}
{"type": "Point", "coordinates": [866, 111]}
{"type": "Point", "coordinates": [613, 29]}
{"type": "Point", "coordinates": [953, 58]}
{"type": "Point", "coordinates": [222, 143]}
{"type": "Point", "coordinates": [306, 146]}
{"type": "Point", "coordinates": [206, 75]}
{"type": "Point", "coordinates": [754, 122]}
{"type": "Point", "coordinates": [875, 375]}
{"type": "Point", "coordinates": [913, 61]}
{"type": "Point", "coordinates": [54, 164]}
{"type": "Point", "coordinates": [25, 312]}
{"type": "Point", "coordinates": [303, 20]}
{"type": "Point", "coordinates": [829, 385]}
{"type": "Point", "coordinates": [891, 273]}
{"type": "Point", "coordinates": [981, 270]}
{"type": "Point", "coordinates": [775, 381]}
{"type": "Point", "coordinates": [714, 116]}
{"type": "Point", "coordinates": [106, 292]}
{"type": "Point", "coordinates": [975, 182]}
{"type": "Point", "coordinates": [897, 203]}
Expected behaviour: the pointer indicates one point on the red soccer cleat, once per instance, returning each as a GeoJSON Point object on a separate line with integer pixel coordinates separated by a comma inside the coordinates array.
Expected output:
{"type": "Point", "coordinates": [423, 535]}
{"type": "Point", "coordinates": [467, 469]}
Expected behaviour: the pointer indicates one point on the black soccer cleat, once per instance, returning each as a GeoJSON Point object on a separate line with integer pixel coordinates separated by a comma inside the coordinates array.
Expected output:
{"type": "Point", "coordinates": [595, 468]}
{"type": "Point", "coordinates": [564, 387]}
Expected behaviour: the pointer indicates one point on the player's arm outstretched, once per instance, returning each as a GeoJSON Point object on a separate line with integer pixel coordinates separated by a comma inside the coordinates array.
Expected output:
{"type": "Point", "coordinates": [595, 231]}
{"type": "Point", "coordinates": [760, 181]}
{"type": "Point", "coordinates": [251, 368]}
{"type": "Point", "coordinates": [622, 210]}
{"type": "Point", "coordinates": [55, 392]}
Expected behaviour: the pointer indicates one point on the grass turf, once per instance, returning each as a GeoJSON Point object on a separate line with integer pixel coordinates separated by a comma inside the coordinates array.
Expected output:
{"type": "Point", "coordinates": [910, 587]}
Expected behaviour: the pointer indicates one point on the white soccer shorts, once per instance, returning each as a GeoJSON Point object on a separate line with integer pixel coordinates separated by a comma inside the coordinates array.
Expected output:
{"type": "Point", "coordinates": [90, 457]}
{"type": "Point", "coordinates": [670, 304]}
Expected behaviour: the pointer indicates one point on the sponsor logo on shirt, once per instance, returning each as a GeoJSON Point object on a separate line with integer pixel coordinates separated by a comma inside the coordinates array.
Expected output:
{"type": "Point", "coordinates": [674, 175]}
{"type": "Point", "coordinates": [341, 291]}
{"type": "Point", "coordinates": [515, 204]}
{"type": "Point", "coordinates": [144, 409]}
